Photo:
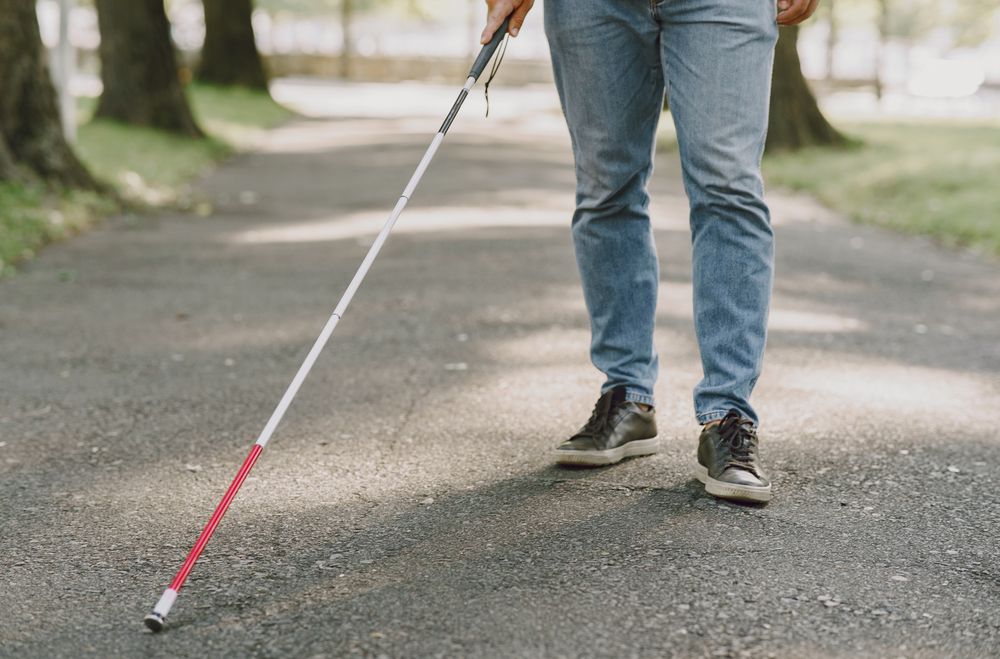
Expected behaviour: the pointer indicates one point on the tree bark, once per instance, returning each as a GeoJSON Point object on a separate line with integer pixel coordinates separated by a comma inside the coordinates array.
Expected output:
{"type": "Point", "coordinates": [8, 168]}
{"type": "Point", "coordinates": [347, 42]}
{"type": "Point", "coordinates": [229, 56]}
{"type": "Point", "coordinates": [139, 68]}
{"type": "Point", "coordinates": [831, 37]}
{"type": "Point", "coordinates": [796, 120]}
{"type": "Point", "coordinates": [32, 143]}
{"type": "Point", "coordinates": [883, 38]}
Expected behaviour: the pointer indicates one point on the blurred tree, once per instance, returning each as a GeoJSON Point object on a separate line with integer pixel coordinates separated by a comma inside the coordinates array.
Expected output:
{"type": "Point", "coordinates": [883, 38]}
{"type": "Point", "coordinates": [32, 143]}
{"type": "Point", "coordinates": [973, 21]}
{"type": "Point", "coordinates": [347, 44]}
{"type": "Point", "coordinates": [909, 21]}
{"type": "Point", "coordinates": [229, 56]}
{"type": "Point", "coordinates": [348, 11]}
{"type": "Point", "coordinates": [970, 22]}
{"type": "Point", "coordinates": [831, 37]}
{"type": "Point", "coordinates": [962, 24]}
{"type": "Point", "coordinates": [139, 68]}
{"type": "Point", "coordinates": [796, 120]}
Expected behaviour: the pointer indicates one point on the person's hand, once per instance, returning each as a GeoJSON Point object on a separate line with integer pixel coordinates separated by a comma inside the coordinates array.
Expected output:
{"type": "Point", "coordinates": [793, 12]}
{"type": "Point", "coordinates": [501, 9]}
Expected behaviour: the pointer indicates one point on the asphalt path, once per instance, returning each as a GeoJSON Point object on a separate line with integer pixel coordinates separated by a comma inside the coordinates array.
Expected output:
{"type": "Point", "coordinates": [408, 506]}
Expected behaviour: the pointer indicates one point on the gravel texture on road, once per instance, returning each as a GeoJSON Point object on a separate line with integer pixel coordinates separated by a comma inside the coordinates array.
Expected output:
{"type": "Point", "coordinates": [408, 506]}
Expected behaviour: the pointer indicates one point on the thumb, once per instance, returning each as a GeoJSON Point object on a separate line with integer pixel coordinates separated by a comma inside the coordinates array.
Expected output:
{"type": "Point", "coordinates": [497, 13]}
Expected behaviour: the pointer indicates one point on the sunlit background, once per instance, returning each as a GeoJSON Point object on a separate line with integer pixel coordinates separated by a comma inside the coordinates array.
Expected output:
{"type": "Point", "coordinates": [925, 58]}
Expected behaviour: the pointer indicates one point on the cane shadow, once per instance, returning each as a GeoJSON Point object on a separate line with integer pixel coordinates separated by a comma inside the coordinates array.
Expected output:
{"type": "Point", "coordinates": [553, 505]}
{"type": "Point", "coordinates": [507, 541]}
{"type": "Point", "coordinates": [542, 528]}
{"type": "Point", "coordinates": [459, 539]}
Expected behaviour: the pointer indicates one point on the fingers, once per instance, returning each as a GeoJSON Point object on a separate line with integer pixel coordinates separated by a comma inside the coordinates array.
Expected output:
{"type": "Point", "coordinates": [498, 11]}
{"type": "Point", "coordinates": [806, 12]}
{"type": "Point", "coordinates": [793, 12]}
{"type": "Point", "coordinates": [789, 11]}
{"type": "Point", "coordinates": [812, 8]}
{"type": "Point", "coordinates": [517, 18]}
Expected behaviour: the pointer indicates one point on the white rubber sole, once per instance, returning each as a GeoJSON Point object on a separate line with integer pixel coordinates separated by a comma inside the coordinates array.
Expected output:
{"type": "Point", "coordinates": [609, 457]}
{"type": "Point", "coordinates": [732, 492]}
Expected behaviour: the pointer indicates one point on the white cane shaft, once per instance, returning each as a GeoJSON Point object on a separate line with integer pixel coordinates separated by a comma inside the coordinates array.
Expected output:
{"type": "Point", "coordinates": [352, 288]}
{"type": "Point", "coordinates": [297, 381]}
{"type": "Point", "coordinates": [155, 620]}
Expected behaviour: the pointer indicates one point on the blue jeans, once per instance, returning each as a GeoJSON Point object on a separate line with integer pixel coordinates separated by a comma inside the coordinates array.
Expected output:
{"type": "Point", "coordinates": [612, 60]}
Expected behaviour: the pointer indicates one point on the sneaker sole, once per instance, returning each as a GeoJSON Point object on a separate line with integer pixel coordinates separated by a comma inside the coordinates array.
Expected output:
{"type": "Point", "coordinates": [731, 492]}
{"type": "Point", "coordinates": [633, 449]}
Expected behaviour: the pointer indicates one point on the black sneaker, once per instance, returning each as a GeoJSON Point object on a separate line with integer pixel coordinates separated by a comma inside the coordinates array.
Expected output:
{"type": "Point", "coordinates": [617, 429]}
{"type": "Point", "coordinates": [728, 463]}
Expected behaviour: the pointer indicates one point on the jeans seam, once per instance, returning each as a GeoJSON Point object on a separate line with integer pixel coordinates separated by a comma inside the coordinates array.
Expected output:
{"type": "Point", "coordinates": [639, 397]}
{"type": "Point", "coordinates": [705, 417]}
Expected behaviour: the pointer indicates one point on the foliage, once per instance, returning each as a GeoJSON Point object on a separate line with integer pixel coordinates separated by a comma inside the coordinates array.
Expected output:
{"type": "Point", "coordinates": [966, 22]}
{"type": "Point", "coordinates": [937, 179]}
{"type": "Point", "coordinates": [973, 20]}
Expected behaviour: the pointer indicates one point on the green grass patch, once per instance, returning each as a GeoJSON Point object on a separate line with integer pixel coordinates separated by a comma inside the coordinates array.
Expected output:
{"type": "Point", "coordinates": [938, 179]}
{"type": "Point", "coordinates": [31, 216]}
{"type": "Point", "coordinates": [236, 115]}
{"type": "Point", "coordinates": [146, 167]}
{"type": "Point", "coordinates": [143, 164]}
{"type": "Point", "coordinates": [152, 166]}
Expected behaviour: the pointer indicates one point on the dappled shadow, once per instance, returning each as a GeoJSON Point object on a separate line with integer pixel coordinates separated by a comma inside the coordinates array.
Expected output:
{"type": "Point", "coordinates": [412, 460]}
{"type": "Point", "coordinates": [501, 567]}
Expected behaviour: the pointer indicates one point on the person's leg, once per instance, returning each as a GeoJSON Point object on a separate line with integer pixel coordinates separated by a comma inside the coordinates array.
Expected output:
{"type": "Point", "coordinates": [717, 55]}
{"type": "Point", "coordinates": [605, 57]}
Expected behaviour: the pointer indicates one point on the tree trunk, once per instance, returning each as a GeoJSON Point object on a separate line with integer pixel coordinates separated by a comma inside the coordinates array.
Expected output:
{"type": "Point", "coordinates": [347, 43]}
{"type": "Point", "coordinates": [8, 168]}
{"type": "Point", "coordinates": [31, 136]}
{"type": "Point", "coordinates": [883, 37]}
{"type": "Point", "coordinates": [139, 68]}
{"type": "Point", "coordinates": [66, 64]}
{"type": "Point", "coordinates": [472, 25]}
{"type": "Point", "coordinates": [796, 120]}
{"type": "Point", "coordinates": [229, 56]}
{"type": "Point", "coordinates": [831, 37]}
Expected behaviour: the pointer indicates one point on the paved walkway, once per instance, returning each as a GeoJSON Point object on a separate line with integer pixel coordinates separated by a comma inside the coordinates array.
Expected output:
{"type": "Point", "coordinates": [407, 506]}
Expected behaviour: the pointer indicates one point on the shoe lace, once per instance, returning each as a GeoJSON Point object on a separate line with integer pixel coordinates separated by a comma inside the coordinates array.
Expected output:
{"type": "Point", "coordinates": [601, 415]}
{"type": "Point", "coordinates": [739, 435]}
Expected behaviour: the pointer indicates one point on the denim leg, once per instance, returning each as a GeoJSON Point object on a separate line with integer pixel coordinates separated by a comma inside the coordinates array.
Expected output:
{"type": "Point", "coordinates": [717, 58]}
{"type": "Point", "coordinates": [606, 60]}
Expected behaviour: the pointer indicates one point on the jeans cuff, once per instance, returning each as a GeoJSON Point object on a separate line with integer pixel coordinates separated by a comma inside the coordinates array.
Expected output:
{"type": "Point", "coordinates": [714, 415]}
{"type": "Point", "coordinates": [639, 397]}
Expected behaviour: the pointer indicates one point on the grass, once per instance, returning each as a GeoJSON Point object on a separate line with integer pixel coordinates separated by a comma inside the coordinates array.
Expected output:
{"type": "Point", "coordinates": [938, 179]}
{"type": "Point", "coordinates": [235, 115]}
{"type": "Point", "coordinates": [152, 166]}
{"type": "Point", "coordinates": [146, 167]}
{"type": "Point", "coordinates": [935, 178]}
{"type": "Point", "coordinates": [31, 216]}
